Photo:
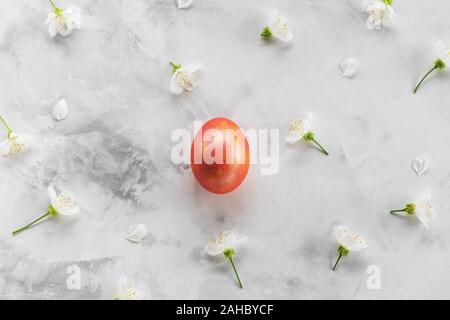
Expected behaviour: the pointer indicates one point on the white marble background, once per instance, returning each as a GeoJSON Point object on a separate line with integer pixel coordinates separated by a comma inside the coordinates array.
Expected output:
{"type": "Point", "coordinates": [114, 149]}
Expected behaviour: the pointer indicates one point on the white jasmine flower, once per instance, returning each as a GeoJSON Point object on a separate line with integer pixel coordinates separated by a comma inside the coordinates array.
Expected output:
{"type": "Point", "coordinates": [136, 233]}
{"type": "Point", "coordinates": [183, 4]}
{"type": "Point", "coordinates": [349, 67]}
{"type": "Point", "coordinates": [278, 27]}
{"type": "Point", "coordinates": [300, 129]}
{"type": "Point", "coordinates": [348, 241]}
{"type": "Point", "coordinates": [183, 78]}
{"type": "Point", "coordinates": [443, 58]}
{"type": "Point", "coordinates": [60, 203]}
{"type": "Point", "coordinates": [380, 14]}
{"type": "Point", "coordinates": [14, 144]}
{"type": "Point", "coordinates": [60, 110]}
{"type": "Point", "coordinates": [421, 208]}
{"type": "Point", "coordinates": [128, 291]}
{"type": "Point", "coordinates": [63, 21]}
{"type": "Point", "coordinates": [421, 163]}
{"type": "Point", "coordinates": [225, 243]}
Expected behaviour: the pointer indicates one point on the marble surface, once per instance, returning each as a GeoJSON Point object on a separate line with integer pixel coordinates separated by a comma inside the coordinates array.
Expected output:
{"type": "Point", "coordinates": [114, 150]}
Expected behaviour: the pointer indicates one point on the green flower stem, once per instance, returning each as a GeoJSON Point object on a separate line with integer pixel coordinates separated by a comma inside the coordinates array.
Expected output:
{"type": "Point", "coordinates": [423, 78]}
{"type": "Point", "coordinates": [30, 224]}
{"type": "Point", "coordinates": [399, 210]}
{"type": "Point", "coordinates": [409, 209]}
{"type": "Point", "coordinates": [175, 66]}
{"type": "Point", "coordinates": [53, 4]}
{"type": "Point", "coordinates": [235, 271]}
{"type": "Point", "coordinates": [321, 148]}
{"type": "Point", "coordinates": [6, 125]}
{"type": "Point", "coordinates": [309, 136]}
{"type": "Point", "coordinates": [438, 64]}
{"type": "Point", "coordinates": [337, 261]}
{"type": "Point", "coordinates": [58, 11]}
{"type": "Point", "coordinates": [342, 253]}
{"type": "Point", "coordinates": [229, 253]}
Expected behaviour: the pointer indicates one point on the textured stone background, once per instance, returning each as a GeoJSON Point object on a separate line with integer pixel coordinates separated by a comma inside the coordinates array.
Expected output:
{"type": "Point", "coordinates": [114, 149]}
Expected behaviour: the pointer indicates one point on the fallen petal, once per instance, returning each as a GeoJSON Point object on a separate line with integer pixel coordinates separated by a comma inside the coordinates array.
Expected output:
{"type": "Point", "coordinates": [349, 67]}
{"type": "Point", "coordinates": [60, 110]}
{"type": "Point", "coordinates": [184, 4]}
{"type": "Point", "coordinates": [421, 163]}
{"type": "Point", "coordinates": [136, 233]}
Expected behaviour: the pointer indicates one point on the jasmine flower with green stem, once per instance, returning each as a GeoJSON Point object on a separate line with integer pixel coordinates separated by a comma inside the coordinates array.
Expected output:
{"type": "Point", "coordinates": [300, 129]}
{"type": "Point", "coordinates": [443, 54]}
{"type": "Point", "coordinates": [63, 21]}
{"type": "Point", "coordinates": [421, 208]}
{"type": "Point", "coordinates": [224, 244]}
{"type": "Point", "coordinates": [348, 241]}
{"type": "Point", "coordinates": [60, 203]}
{"type": "Point", "coordinates": [183, 77]}
{"type": "Point", "coordinates": [278, 27]}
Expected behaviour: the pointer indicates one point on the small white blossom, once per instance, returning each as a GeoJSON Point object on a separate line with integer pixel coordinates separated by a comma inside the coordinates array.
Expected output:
{"type": "Point", "coordinates": [184, 78]}
{"type": "Point", "coordinates": [61, 202]}
{"type": "Point", "coordinates": [278, 27]}
{"type": "Point", "coordinates": [422, 208]}
{"type": "Point", "coordinates": [298, 128]}
{"type": "Point", "coordinates": [64, 21]}
{"type": "Point", "coordinates": [380, 14]}
{"type": "Point", "coordinates": [13, 145]}
{"type": "Point", "coordinates": [223, 241]}
{"type": "Point", "coordinates": [348, 239]}
{"type": "Point", "coordinates": [127, 291]}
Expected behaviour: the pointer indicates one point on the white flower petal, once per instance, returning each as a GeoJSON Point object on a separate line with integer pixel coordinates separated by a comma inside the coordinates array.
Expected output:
{"type": "Point", "coordinates": [51, 24]}
{"type": "Point", "coordinates": [174, 86]}
{"type": "Point", "coordinates": [60, 110]}
{"type": "Point", "coordinates": [136, 233]}
{"type": "Point", "coordinates": [421, 163]}
{"type": "Point", "coordinates": [380, 15]}
{"type": "Point", "coordinates": [424, 210]}
{"type": "Point", "coordinates": [5, 149]}
{"type": "Point", "coordinates": [53, 196]}
{"type": "Point", "coordinates": [348, 239]}
{"type": "Point", "coordinates": [212, 248]}
{"type": "Point", "coordinates": [73, 15]}
{"type": "Point", "coordinates": [442, 51]}
{"type": "Point", "coordinates": [293, 137]}
{"type": "Point", "coordinates": [127, 291]}
{"type": "Point", "coordinates": [279, 26]}
{"type": "Point", "coordinates": [224, 240]}
{"type": "Point", "coordinates": [183, 4]}
{"type": "Point", "coordinates": [349, 67]}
